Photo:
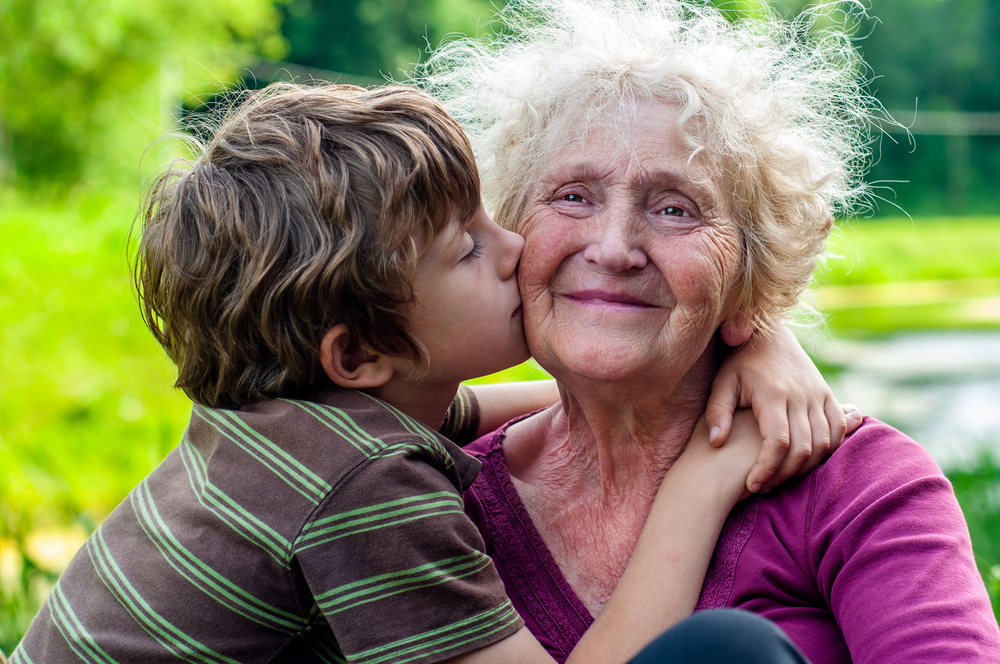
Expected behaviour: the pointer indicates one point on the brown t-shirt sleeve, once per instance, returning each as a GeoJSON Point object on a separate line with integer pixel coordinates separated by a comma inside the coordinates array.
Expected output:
{"type": "Point", "coordinates": [462, 420]}
{"type": "Point", "coordinates": [398, 569]}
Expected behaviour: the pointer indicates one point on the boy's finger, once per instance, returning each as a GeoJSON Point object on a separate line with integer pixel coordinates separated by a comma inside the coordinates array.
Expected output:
{"type": "Point", "coordinates": [820, 440]}
{"type": "Point", "coordinates": [853, 416]}
{"type": "Point", "coordinates": [799, 452]}
{"type": "Point", "coordinates": [836, 417]}
{"type": "Point", "coordinates": [719, 411]}
{"type": "Point", "coordinates": [774, 430]}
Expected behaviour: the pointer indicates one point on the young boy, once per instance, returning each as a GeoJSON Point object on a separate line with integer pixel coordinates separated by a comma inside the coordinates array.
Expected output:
{"type": "Point", "coordinates": [324, 276]}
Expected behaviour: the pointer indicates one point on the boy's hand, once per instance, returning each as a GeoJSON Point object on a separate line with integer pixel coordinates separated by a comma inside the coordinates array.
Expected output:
{"type": "Point", "coordinates": [799, 417]}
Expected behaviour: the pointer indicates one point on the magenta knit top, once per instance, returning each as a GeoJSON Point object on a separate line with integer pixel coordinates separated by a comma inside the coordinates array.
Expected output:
{"type": "Point", "coordinates": [866, 559]}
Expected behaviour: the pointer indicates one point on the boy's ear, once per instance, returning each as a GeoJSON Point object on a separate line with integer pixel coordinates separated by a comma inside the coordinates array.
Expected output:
{"type": "Point", "coordinates": [736, 330]}
{"type": "Point", "coordinates": [358, 370]}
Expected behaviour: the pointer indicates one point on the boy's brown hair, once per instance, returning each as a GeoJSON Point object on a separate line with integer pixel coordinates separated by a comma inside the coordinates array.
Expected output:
{"type": "Point", "coordinates": [309, 207]}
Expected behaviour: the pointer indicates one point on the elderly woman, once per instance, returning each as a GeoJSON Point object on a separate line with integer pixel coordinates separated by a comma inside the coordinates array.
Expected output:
{"type": "Point", "coordinates": [675, 177]}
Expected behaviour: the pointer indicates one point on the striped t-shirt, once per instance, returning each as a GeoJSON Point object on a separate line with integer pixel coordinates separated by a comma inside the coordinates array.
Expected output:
{"type": "Point", "coordinates": [327, 530]}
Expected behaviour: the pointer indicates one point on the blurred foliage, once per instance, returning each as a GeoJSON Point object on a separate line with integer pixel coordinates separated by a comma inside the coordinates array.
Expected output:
{"type": "Point", "coordinates": [85, 85]}
{"type": "Point", "coordinates": [978, 492]}
{"type": "Point", "coordinates": [376, 38]}
{"type": "Point", "coordinates": [901, 249]}
{"type": "Point", "coordinates": [86, 405]}
{"type": "Point", "coordinates": [935, 55]}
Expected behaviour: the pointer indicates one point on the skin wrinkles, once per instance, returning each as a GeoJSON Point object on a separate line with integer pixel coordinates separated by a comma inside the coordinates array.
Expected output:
{"type": "Point", "coordinates": [625, 276]}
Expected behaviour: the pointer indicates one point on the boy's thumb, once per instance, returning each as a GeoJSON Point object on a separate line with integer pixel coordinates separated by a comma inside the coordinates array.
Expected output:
{"type": "Point", "coordinates": [719, 415]}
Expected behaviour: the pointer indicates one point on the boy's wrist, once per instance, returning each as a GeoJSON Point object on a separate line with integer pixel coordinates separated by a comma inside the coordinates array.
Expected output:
{"type": "Point", "coordinates": [705, 482]}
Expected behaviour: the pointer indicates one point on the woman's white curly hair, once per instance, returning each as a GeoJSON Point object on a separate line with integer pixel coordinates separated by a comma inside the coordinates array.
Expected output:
{"type": "Point", "coordinates": [777, 110]}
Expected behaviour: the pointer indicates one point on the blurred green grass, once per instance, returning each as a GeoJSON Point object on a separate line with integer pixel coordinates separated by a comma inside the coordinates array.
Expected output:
{"type": "Point", "coordinates": [893, 275]}
{"type": "Point", "coordinates": [87, 408]}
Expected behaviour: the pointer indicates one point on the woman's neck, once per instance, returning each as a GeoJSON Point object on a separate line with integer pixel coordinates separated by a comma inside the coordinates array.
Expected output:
{"type": "Point", "coordinates": [611, 439]}
{"type": "Point", "coordinates": [588, 469]}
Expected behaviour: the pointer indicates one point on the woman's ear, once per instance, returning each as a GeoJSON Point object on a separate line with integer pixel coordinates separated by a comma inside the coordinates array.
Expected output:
{"type": "Point", "coordinates": [736, 330]}
{"type": "Point", "coordinates": [357, 370]}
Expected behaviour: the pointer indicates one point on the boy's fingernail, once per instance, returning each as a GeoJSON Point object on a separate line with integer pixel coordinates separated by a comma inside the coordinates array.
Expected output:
{"type": "Point", "coordinates": [766, 491]}
{"type": "Point", "coordinates": [713, 434]}
{"type": "Point", "coordinates": [854, 416]}
{"type": "Point", "coordinates": [755, 487]}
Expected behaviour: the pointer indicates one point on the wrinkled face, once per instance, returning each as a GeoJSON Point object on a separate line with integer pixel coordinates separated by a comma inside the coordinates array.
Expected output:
{"type": "Point", "coordinates": [629, 256]}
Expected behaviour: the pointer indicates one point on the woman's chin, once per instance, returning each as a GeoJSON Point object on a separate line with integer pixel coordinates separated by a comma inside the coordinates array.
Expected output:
{"type": "Point", "coordinates": [594, 364]}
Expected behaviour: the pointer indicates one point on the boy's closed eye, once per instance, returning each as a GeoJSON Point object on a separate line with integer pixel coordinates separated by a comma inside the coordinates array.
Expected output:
{"type": "Point", "coordinates": [475, 251]}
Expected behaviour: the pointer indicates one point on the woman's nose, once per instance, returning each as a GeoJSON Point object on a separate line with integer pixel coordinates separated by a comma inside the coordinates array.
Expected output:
{"type": "Point", "coordinates": [614, 246]}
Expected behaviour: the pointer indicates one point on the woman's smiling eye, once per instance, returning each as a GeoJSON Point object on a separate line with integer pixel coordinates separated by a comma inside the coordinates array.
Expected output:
{"type": "Point", "coordinates": [673, 211]}
{"type": "Point", "coordinates": [573, 198]}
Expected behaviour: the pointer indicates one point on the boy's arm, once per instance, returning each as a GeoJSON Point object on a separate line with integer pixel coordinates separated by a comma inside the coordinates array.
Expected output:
{"type": "Point", "coordinates": [799, 417]}
{"type": "Point", "coordinates": [663, 580]}
{"type": "Point", "coordinates": [499, 403]}
{"type": "Point", "coordinates": [664, 577]}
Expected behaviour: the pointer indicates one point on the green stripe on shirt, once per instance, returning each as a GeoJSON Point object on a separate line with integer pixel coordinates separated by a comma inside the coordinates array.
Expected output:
{"type": "Point", "coordinates": [343, 425]}
{"type": "Point", "coordinates": [442, 639]}
{"type": "Point", "coordinates": [168, 635]}
{"type": "Point", "coordinates": [381, 586]}
{"type": "Point", "coordinates": [202, 576]}
{"type": "Point", "coordinates": [230, 512]}
{"type": "Point", "coordinates": [270, 455]}
{"type": "Point", "coordinates": [72, 629]}
{"type": "Point", "coordinates": [315, 536]}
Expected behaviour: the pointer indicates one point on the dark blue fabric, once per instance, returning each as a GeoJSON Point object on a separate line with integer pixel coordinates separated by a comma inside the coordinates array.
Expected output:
{"type": "Point", "coordinates": [722, 636]}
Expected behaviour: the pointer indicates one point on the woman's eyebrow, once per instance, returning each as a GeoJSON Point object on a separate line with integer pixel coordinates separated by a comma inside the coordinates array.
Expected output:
{"type": "Point", "coordinates": [680, 180]}
{"type": "Point", "coordinates": [584, 171]}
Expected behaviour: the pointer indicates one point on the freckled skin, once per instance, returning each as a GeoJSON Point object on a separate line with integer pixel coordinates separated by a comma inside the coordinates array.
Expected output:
{"type": "Point", "coordinates": [633, 221]}
{"type": "Point", "coordinates": [629, 255]}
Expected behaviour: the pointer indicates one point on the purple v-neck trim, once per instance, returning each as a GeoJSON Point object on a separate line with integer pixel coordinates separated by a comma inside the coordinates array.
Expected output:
{"type": "Point", "coordinates": [550, 608]}
{"type": "Point", "coordinates": [520, 551]}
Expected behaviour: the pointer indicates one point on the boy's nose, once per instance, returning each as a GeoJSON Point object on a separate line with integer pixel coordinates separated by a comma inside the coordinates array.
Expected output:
{"type": "Point", "coordinates": [513, 245]}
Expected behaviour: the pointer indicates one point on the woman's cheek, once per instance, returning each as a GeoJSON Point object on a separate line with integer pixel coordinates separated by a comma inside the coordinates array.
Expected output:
{"type": "Point", "coordinates": [709, 264]}
{"type": "Point", "coordinates": [546, 245]}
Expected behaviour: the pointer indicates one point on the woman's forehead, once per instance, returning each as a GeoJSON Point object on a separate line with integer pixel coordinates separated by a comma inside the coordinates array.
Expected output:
{"type": "Point", "coordinates": [644, 145]}
{"type": "Point", "coordinates": [620, 134]}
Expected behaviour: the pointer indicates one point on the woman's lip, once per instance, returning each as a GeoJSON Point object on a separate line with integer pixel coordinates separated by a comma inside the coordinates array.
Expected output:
{"type": "Point", "coordinates": [605, 297]}
{"type": "Point", "coordinates": [518, 312]}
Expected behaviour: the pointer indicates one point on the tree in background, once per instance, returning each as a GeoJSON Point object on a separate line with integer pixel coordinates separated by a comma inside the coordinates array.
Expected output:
{"type": "Point", "coordinates": [85, 85]}
{"type": "Point", "coordinates": [938, 55]}
{"type": "Point", "coordinates": [376, 38]}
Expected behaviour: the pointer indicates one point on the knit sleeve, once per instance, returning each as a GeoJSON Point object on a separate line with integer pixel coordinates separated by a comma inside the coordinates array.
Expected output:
{"type": "Point", "coordinates": [891, 553]}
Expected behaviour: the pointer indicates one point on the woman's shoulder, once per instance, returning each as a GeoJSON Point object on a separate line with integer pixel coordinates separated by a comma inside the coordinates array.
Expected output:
{"type": "Point", "coordinates": [879, 480]}
{"type": "Point", "coordinates": [885, 541]}
{"type": "Point", "coordinates": [491, 443]}
{"type": "Point", "coordinates": [875, 467]}
{"type": "Point", "coordinates": [875, 458]}
{"type": "Point", "coordinates": [879, 483]}
{"type": "Point", "coordinates": [875, 438]}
